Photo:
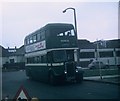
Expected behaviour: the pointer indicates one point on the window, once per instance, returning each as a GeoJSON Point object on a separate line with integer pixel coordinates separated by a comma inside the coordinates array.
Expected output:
{"type": "Point", "coordinates": [59, 56]}
{"type": "Point", "coordinates": [42, 35]}
{"type": "Point", "coordinates": [118, 53]}
{"type": "Point", "coordinates": [12, 60]}
{"type": "Point", "coordinates": [38, 37]}
{"type": "Point", "coordinates": [72, 33]}
{"type": "Point", "coordinates": [30, 60]}
{"type": "Point", "coordinates": [25, 41]}
{"type": "Point", "coordinates": [28, 41]}
{"type": "Point", "coordinates": [34, 38]}
{"type": "Point", "coordinates": [37, 59]}
{"type": "Point", "coordinates": [67, 33]}
{"type": "Point", "coordinates": [60, 34]}
{"type": "Point", "coordinates": [49, 57]}
{"type": "Point", "coordinates": [106, 54]}
{"type": "Point", "coordinates": [43, 59]}
{"type": "Point", "coordinates": [31, 40]}
{"type": "Point", "coordinates": [70, 55]}
{"type": "Point", "coordinates": [87, 55]}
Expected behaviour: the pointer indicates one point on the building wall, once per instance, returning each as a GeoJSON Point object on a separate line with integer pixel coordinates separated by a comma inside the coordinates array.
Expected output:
{"type": "Point", "coordinates": [107, 56]}
{"type": "Point", "coordinates": [12, 57]}
{"type": "Point", "coordinates": [3, 60]}
{"type": "Point", "coordinates": [20, 58]}
{"type": "Point", "coordinates": [17, 59]}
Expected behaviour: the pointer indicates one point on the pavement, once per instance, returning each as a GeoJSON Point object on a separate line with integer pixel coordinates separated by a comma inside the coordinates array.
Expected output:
{"type": "Point", "coordinates": [113, 79]}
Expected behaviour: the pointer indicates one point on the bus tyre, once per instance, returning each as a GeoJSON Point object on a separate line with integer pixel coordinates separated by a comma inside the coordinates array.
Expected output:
{"type": "Point", "coordinates": [52, 79]}
{"type": "Point", "coordinates": [79, 78]}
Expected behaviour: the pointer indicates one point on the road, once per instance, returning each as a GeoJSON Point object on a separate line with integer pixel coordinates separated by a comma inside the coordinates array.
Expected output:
{"type": "Point", "coordinates": [11, 81]}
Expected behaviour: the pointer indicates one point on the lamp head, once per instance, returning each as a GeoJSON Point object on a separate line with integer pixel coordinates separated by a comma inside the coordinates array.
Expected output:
{"type": "Point", "coordinates": [64, 11]}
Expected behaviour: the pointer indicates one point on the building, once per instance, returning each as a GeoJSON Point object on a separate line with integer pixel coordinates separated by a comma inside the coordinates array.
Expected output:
{"type": "Point", "coordinates": [108, 52]}
{"type": "Point", "coordinates": [3, 56]}
{"type": "Point", "coordinates": [12, 56]}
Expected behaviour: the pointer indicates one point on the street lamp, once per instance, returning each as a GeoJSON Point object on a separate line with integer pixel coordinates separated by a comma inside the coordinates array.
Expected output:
{"type": "Point", "coordinates": [75, 22]}
{"type": "Point", "coordinates": [98, 58]}
{"type": "Point", "coordinates": [103, 43]}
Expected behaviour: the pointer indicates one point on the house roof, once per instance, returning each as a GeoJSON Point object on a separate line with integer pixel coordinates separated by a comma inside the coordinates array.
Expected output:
{"type": "Point", "coordinates": [3, 52]}
{"type": "Point", "coordinates": [113, 43]}
{"type": "Point", "coordinates": [12, 51]}
{"type": "Point", "coordinates": [85, 44]}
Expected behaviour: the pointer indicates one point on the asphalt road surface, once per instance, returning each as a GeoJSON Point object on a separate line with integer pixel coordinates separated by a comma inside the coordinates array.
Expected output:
{"type": "Point", "coordinates": [11, 81]}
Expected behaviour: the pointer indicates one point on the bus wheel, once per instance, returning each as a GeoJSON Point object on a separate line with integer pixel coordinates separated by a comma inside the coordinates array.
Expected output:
{"type": "Point", "coordinates": [52, 79]}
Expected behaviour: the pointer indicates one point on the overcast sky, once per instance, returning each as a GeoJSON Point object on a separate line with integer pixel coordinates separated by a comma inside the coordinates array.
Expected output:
{"type": "Point", "coordinates": [95, 20]}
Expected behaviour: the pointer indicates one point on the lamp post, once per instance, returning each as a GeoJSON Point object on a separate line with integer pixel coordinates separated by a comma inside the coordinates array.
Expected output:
{"type": "Point", "coordinates": [75, 24]}
{"type": "Point", "coordinates": [98, 58]}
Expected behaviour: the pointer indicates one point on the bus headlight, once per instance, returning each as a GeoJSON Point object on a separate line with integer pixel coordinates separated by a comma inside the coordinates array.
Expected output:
{"type": "Point", "coordinates": [76, 71]}
{"type": "Point", "coordinates": [65, 72]}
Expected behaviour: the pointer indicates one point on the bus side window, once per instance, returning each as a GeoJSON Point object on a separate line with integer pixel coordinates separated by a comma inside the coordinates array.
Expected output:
{"type": "Point", "coordinates": [38, 59]}
{"type": "Point", "coordinates": [25, 41]}
{"type": "Point", "coordinates": [28, 41]}
{"type": "Point", "coordinates": [27, 61]}
{"type": "Point", "coordinates": [34, 38]}
{"type": "Point", "coordinates": [35, 60]}
{"type": "Point", "coordinates": [30, 60]}
{"type": "Point", "coordinates": [31, 39]}
{"type": "Point", "coordinates": [42, 35]}
{"type": "Point", "coordinates": [38, 37]}
{"type": "Point", "coordinates": [43, 59]}
{"type": "Point", "coordinates": [49, 57]}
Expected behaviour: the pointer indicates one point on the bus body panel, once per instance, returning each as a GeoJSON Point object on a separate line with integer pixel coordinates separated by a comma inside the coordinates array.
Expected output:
{"type": "Point", "coordinates": [37, 72]}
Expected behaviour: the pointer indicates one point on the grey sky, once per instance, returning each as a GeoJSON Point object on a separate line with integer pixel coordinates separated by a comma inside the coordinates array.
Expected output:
{"type": "Point", "coordinates": [95, 20]}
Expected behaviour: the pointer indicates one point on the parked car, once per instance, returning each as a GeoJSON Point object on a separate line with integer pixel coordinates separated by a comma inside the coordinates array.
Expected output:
{"type": "Point", "coordinates": [95, 65]}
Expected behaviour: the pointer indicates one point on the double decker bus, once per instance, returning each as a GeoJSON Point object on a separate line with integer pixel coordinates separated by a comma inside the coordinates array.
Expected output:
{"type": "Point", "coordinates": [50, 54]}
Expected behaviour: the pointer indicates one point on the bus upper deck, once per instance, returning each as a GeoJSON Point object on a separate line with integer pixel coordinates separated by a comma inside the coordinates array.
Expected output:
{"type": "Point", "coordinates": [51, 36]}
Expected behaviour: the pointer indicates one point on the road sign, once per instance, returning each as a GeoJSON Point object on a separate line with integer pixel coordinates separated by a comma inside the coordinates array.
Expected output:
{"type": "Point", "coordinates": [22, 95]}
